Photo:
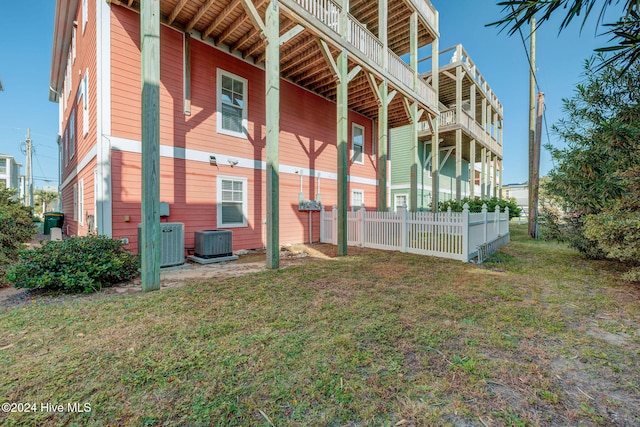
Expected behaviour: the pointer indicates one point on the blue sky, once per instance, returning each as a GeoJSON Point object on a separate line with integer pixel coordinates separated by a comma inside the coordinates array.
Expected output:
{"type": "Point", "coordinates": [25, 57]}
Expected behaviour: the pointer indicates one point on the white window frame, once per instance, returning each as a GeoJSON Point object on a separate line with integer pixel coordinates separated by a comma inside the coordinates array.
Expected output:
{"type": "Point", "coordinates": [222, 73]}
{"type": "Point", "coordinates": [75, 202]}
{"type": "Point", "coordinates": [395, 200]}
{"type": "Point", "coordinates": [85, 14]}
{"type": "Point", "coordinates": [72, 133]}
{"type": "Point", "coordinates": [73, 44]}
{"type": "Point", "coordinates": [65, 146]}
{"type": "Point", "coordinates": [81, 201]}
{"type": "Point", "coordinates": [427, 159]}
{"type": "Point", "coordinates": [245, 209]}
{"type": "Point", "coordinates": [355, 126]}
{"type": "Point", "coordinates": [85, 103]}
{"type": "Point", "coordinates": [354, 206]}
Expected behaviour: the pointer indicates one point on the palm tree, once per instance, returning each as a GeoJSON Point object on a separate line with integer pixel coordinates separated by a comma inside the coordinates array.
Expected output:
{"type": "Point", "coordinates": [625, 32]}
{"type": "Point", "coordinates": [47, 197]}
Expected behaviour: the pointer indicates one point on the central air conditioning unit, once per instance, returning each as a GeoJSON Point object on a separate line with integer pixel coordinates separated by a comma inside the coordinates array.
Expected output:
{"type": "Point", "coordinates": [213, 243]}
{"type": "Point", "coordinates": [171, 243]}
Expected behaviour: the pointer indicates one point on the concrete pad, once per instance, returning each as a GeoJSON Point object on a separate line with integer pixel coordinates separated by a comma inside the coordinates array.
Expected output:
{"type": "Point", "coordinates": [211, 260]}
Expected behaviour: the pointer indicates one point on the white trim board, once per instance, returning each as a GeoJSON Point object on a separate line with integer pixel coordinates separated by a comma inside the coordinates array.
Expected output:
{"type": "Point", "coordinates": [133, 146]}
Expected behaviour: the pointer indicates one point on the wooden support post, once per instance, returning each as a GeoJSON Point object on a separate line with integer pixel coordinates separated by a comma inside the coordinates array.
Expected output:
{"type": "Point", "coordinates": [383, 135]}
{"type": "Point", "coordinates": [272, 73]}
{"type": "Point", "coordinates": [494, 185]}
{"type": "Point", "coordinates": [342, 137]}
{"type": "Point", "coordinates": [150, 52]}
{"type": "Point", "coordinates": [483, 173]}
{"type": "Point", "coordinates": [459, 76]}
{"type": "Point", "coordinates": [472, 169]}
{"type": "Point", "coordinates": [413, 113]}
{"type": "Point", "coordinates": [187, 74]}
{"type": "Point", "coordinates": [435, 135]}
{"type": "Point", "coordinates": [500, 182]}
{"type": "Point", "coordinates": [472, 144]}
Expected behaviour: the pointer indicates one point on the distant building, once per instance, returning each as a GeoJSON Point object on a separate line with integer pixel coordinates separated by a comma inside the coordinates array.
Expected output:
{"type": "Point", "coordinates": [9, 172]}
{"type": "Point", "coordinates": [519, 192]}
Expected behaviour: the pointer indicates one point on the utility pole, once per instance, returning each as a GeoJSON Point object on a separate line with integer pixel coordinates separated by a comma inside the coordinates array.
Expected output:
{"type": "Point", "coordinates": [533, 207]}
{"type": "Point", "coordinates": [29, 172]}
{"type": "Point", "coordinates": [536, 162]}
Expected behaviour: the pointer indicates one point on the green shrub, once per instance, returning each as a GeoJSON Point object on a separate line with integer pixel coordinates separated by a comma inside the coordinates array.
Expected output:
{"type": "Point", "coordinates": [78, 264]}
{"type": "Point", "coordinates": [475, 205]}
{"type": "Point", "coordinates": [552, 225]}
{"type": "Point", "coordinates": [16, 229]}
{"type": "Point", "coordinates": [617, 233]}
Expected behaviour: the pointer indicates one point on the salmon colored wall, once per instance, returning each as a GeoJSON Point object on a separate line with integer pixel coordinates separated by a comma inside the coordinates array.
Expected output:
{"type": "Point", "coordinates": [84, 142]}
{"type": "Point", "coordinates": [307, 140]}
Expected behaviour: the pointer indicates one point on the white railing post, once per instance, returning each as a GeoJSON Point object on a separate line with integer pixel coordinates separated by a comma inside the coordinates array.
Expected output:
{"type": "Point", "coordinates": [465, 232]}
{"type": "Point", "coordinates": [334, 225]}
{"type": "Point", "coordinates": [322, 227]}
{"type": "Point", "coordinates": [404, 228]}
{"type": "Point", "coordinates": [497, 227]}
{"type": "Point", "coordinates": [484, 219]}
{"type": "Point", "coordinates": [506, 212]}
{"type": "Point", "coordinates": [363, 218]}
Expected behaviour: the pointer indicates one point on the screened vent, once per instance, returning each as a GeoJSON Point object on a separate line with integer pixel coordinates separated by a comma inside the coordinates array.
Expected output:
{"type": "Point", "coordinates": [213, 243]}
{"type": "Point", "coordinates": [171, 243]}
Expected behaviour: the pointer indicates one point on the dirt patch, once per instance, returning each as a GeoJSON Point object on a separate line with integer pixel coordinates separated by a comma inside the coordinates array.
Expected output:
{"type": "Point", "coordinates": [173, 277]}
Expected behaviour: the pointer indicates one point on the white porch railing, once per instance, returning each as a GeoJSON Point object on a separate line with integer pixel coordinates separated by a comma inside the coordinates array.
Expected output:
{"type": "Point", "coordinates": [462, 236]}
{"type": "Point", "coordinates": [363, 40]}
{"type": "Point", "coordinates": [328, 12]}
{"type": "Point", "coordinates": [473, 128]}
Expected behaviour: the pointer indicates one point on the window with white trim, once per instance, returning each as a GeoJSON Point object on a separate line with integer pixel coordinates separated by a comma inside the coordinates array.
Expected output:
{"type": "Point", "coordinates": [85, 14]}
{"type": "Point", "coordinates": [85, 103]}
{"type": "Point", "coordinates": [357, 199]}
{"type": "Point", "coordinates": [231, 116]}
{"type": "Point", "coordinates": [357, 143]}
{"type": "Point", "coordinates": [400, 201]}
{"type": "Point", "coordinates": [81, 202]}
{"type": "Point", "coordinates": [427, 159]}
{"type": "Point", "coordinates": [73, 44]}
{"type": "Point", "coordinates": [72, 133]}
{"type": "Point", "coordinates": [65, 146]}
{"type": "Point", "coordinates": [3, 166]}
{"type": "Point", "coordinates": [231, 201]}
{"type": "Point", "coordinates": [75, 202]}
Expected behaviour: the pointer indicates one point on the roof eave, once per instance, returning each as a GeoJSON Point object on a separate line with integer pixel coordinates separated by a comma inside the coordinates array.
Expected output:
{"type": "Point", "coordinates": [65, 13]}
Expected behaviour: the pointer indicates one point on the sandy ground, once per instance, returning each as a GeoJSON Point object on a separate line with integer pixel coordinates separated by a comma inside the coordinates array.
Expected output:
{"type": "Point", "coordinates": [172, 277]}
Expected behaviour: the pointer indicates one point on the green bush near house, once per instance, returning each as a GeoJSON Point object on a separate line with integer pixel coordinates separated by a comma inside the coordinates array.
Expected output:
{"type": "Point", "coordinates": [79, 264]}
{"type": "Point", "coordinates": [16, 229]}
{"type": "Point", "coordinates": [475, 205]}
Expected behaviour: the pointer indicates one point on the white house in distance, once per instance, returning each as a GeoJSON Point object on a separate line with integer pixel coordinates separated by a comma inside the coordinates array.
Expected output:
{"type": "Point", "coordinates": [9, 172]}
{"type": "Point", "coordinates": [519, 192]}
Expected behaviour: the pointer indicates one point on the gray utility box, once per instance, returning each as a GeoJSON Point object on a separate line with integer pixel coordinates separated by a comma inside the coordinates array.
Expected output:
{"type": "Point", "coordinates": [171, 243]}
{"type": "Point", "coordinates": [213, 243]}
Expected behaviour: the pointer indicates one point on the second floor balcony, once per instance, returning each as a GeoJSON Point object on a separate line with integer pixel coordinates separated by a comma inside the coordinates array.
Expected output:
{"type": "Point", "coordinates": [375, 34]}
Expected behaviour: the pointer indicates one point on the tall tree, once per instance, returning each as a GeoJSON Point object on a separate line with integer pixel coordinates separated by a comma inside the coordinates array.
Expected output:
{"type": "Point", "coordinates": [624, 33]}
{"type": "Point", "coordinates": [597, 173]}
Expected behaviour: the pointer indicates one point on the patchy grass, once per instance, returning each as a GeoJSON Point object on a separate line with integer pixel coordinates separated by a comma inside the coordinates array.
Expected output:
{"type": "Point", "coordinates": [535, 336]}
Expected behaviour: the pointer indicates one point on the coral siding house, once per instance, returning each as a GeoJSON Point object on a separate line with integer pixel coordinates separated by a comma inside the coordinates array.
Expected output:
{"type": "Point", "coordinates": [212, 106]}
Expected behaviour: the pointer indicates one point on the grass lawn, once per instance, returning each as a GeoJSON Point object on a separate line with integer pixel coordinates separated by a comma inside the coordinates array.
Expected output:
{"type": "Point", "coordinates": [535, 336]}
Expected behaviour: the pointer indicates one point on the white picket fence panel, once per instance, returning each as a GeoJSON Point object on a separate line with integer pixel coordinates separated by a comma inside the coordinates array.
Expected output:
{"type": "Point", "coordinates": [456, 235]}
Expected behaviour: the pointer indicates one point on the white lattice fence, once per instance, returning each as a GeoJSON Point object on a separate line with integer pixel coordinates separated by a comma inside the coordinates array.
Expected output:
{"type": "Point", "coordinates": [461, 236]}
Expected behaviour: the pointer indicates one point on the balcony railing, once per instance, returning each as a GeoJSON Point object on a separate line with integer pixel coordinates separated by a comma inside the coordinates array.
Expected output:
{"type": "Point", "coordinates": [473, 128]}
{"type": "Point", "coordinates": [328, 12]}
{"type": "Point", "coordinates": [364, 41]}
